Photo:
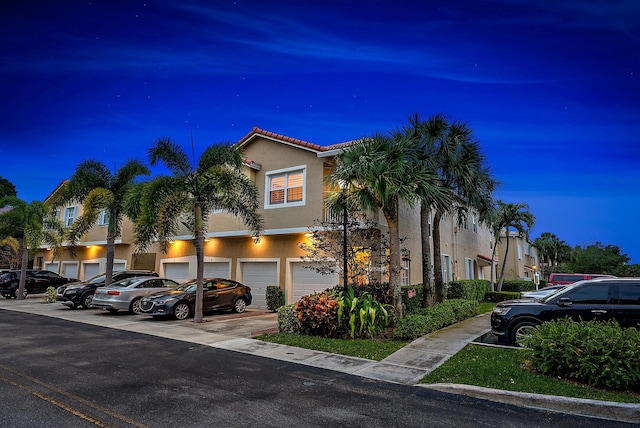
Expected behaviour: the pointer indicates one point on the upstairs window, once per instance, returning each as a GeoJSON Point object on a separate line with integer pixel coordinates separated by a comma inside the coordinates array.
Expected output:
{"type": "Point", "coordinates": [70, 215]}
{"type": "Point", "coordinates": [286, 188]}
{"type": "Point", "coordinates": [103, 218]}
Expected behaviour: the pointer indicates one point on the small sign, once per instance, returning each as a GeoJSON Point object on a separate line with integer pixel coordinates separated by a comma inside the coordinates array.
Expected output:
{"type": "Point", "coordinates": [411, 293]}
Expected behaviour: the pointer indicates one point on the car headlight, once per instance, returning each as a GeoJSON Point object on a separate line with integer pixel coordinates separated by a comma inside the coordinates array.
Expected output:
{"type": "Point", "coordinates": [165, 301]}
{"type": "Point", "coordinates": [501, 310]}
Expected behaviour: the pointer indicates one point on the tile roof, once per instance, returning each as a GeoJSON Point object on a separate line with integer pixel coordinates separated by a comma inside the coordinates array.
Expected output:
{"type": "Point", "coordinates": [290, 140]}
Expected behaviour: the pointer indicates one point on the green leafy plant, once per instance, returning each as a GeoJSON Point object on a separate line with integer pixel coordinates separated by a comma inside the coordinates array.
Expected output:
{"type": "Point", "coordinates": [49, 295]}
{"type": "Point", "coordinates": [287, 319]}
{"type": "Point", "coordinates": [273, 297]}
{"type": "Point", "coordinates": [426, 320]}
{"type": "Point", "coordinates": [366, 315]}
{"type": "Point", "coordinates": [600, 354]}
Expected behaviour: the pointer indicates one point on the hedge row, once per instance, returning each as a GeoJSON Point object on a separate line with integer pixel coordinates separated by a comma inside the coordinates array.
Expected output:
{"type": "Point", "coordinates": [423, 321]}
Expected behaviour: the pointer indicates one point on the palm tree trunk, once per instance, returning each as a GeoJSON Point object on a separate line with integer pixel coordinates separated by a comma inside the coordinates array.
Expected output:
{"type": "Point", "coordinates": [504, 262]}
{"type": "Point", "coordinates": [199, 241]}
{"type": "Point", "coordinates": [23, 270]}
{"type": "Point", "coordinates": [492, 272]}
{"type": "Point", "coordinates": [437, 259]}
{"type": "Point", "coordinates": [394, 260]}
{"type": "Point", "coordinates": [427, 288]}
{"type": "Point", "coordinates": [111, 239]}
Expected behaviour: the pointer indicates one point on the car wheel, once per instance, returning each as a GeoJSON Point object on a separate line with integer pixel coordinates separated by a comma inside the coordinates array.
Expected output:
{"type": "Point", "coordinates": [521, 331]}
{"type": "Point", "coordinates": [239, 306]}
{"type": "Point", "coordinates": [181, 311]}
{"type": "Point", "coordinates": [7, 296]}
{"type": "Point", "coordinates": [134, 308]}
{"type": "Point", "coordinates": [87, 301]}
{"type": "Point", "coordinates": [112, 311]}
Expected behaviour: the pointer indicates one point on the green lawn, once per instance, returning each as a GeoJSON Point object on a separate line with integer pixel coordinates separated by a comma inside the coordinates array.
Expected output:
{"type": "Point", "coordinates": [502, 368]}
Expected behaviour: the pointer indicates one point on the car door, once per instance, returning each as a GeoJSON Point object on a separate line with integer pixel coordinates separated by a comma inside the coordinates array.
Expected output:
{"type": "Point", "coordinates": [209, 295]}
{"type": "Point", "coordinates": [591, 302]}
{"type": "Point", "coordinates": [226, 293]}
{"type": "Point", "coordinates": [627, 309]}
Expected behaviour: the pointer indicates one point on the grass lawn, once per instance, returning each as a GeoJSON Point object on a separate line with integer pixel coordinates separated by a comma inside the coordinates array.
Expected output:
{"type": "Point", "coordinates": [501, 368]}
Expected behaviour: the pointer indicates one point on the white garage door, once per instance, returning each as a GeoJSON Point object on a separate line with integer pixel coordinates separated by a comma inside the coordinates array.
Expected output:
{"type": "Point", "coordinates": [52, 267]}
{"type": "Point", "coordinates": [177, 271]}
{"type": "Point", "coordinates": [118, 266]}
{"type": "Point", "coordinates": [91, 270]}
{"type": "Point", "coordinates": [258, 275]}
{"type": "Point", "coordinates": [217, 270]}
{"type": "Point", "coordinates": [308, 281]}
{"type": "Point", "coordinates": [69, 270]}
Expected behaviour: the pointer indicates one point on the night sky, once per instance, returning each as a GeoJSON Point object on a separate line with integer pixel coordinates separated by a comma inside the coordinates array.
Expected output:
{"type": "Point", "coordinates": [550, 88]}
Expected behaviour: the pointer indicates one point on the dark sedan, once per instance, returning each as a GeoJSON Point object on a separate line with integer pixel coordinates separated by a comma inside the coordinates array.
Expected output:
{"type": "Point", "coordinates": [598, 299]}
{"type": "Point", "coordinates": [218, 294]}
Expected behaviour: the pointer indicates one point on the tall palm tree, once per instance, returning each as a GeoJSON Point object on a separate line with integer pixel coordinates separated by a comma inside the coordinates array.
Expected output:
{"type": "Point", "coordinates": [97, 189]}
{"type": "Point", "coordinates": [450, 150]}
{"type": "Point", "coordinates": [551, 249]}
{"type": "Point", "coordinates": [512, 216]}
{"type": "Point", "coordinates": [162, 205]}
{"type": "Point", "coordinates": [377, 174]}
{"type": "Point", "coordinates": [25, 223]}
{"type": "Point", "coordinates": [425, 136]}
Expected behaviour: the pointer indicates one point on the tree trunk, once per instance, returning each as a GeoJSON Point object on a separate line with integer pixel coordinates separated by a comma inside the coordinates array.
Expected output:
{"type": "Point", "coordinates": [23, 270]}
{"type": "Point", "coordinates": [427, 288]}
{"type": "Point", "coordinates": [492, 271]}
{"type": "Point", "coordinates": [504, 262]}
{"type": "Point", "coordinates": [437, 259]}
{"type": "Point", "coordinates": [394, 259]}
{"type": "Point", "coordinates": [199, 241]}
{"type": "Point", "coordinates": [111, 239]}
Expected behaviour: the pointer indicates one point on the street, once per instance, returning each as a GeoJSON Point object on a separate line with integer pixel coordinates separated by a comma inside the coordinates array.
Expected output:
{"type": "Point", "coordinates": [58, 373]}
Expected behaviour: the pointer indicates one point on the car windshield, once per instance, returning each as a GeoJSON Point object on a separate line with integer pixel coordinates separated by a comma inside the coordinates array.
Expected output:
{"type": "Point", "coordinates": [97, 278]}
{"type": "Point", "coordinates": [561, 291]}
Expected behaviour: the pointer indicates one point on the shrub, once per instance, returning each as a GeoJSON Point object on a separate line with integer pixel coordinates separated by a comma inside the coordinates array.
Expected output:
{"type": "Point", "coordinates": [274, 297]}
{"type": "Point", "coordinates": [411, 303]}
{"type": "Point", "coordinates": [318, 314]}
{"type": "Point", "coordinates": [499, 296]}
{"type": "Point", "coordinates": [518, 285]}
{"type": "Point", "coordinates": [426, 320]}
{"type": "Point", "coordinates": [364, 314]}
{"type": "Point", "coordinates": [474, 289]}
{"type": "Point", "coordinates": [287, 320]}
{"type": "Point", "coordinates": [49, 295]}
{"type": "Point", "coordinates": [600, 354]}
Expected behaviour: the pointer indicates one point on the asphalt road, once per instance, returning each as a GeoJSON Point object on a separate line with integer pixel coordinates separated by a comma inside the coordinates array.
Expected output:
{"type": "Point", "coordinates": [56, 373]}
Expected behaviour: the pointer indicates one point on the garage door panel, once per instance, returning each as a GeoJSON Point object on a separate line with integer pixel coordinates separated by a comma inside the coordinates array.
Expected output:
{"type": "Point", "coordinates": [259, 275]}
{"type": "Point", "coordinates": [307, 281]}
{"type": "Point", "coordinates": [217, 270]}
{"type": "Point", "coordinates": [91, 270]}
{"type": "Point", "coordinates": [177, 271]}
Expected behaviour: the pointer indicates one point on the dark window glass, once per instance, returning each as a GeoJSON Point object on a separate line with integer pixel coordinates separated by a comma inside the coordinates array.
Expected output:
{"type": "Point", "coordinates": [629, 294]}
{"type": "Point", "coordinates": [593, 294]}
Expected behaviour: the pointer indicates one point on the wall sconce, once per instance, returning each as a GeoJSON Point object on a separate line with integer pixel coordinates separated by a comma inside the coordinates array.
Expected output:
{"type": "Point", "coordinates": [256, 239]}
{"type": "Point", "coordinates": [89, 246]}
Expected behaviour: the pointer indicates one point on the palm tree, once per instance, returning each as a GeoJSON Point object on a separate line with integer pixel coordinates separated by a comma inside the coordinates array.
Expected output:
{"type": "Point", "coordinates": [24, 222]}
{"type": "Point", "coordinates": [162, 205]}
{"type": "Point", "coordinates": [552, 249]}
{"type": "Point", "coordinates": [93, 185]}
{"type": "Point", "coordinates": [379, 173]}
{"type": "Point", "coordinates": [455, 156]}
{"type": "Point", "coordinates": [512, 216]}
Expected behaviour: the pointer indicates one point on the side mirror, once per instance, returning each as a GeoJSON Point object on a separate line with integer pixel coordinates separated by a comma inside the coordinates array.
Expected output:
{"type": "Point", "coordinates": [565, 302]}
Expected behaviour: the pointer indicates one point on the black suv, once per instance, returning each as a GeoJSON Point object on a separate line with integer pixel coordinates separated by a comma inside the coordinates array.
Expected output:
{"type": "Point", "coordinates": [82, 294]}
{"type": "Point", "coordinates": [597, 299]}
{"type": "Point", "coordinates": [36, 281]}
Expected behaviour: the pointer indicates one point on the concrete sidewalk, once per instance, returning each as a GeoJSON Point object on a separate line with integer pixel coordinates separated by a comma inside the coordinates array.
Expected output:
{"type": "Point", "coordinates": [407, 366]}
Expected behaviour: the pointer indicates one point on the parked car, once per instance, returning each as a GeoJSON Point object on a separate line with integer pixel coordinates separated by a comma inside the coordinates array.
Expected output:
{"type": "Point", "coordinates": [125, 295]}
{"type": "Point", "coordinates": [218, 294]}
{"type": "Point", "coordinates": [36, 281]}
{"type": "Point", "coordinates": [81, 294]}
{"type": "Point", "coordinates": [597, 299]}
{"type": "Point", "coordinates": [570, 278]}
{"type": "Point", "coordinates": [543, 292]}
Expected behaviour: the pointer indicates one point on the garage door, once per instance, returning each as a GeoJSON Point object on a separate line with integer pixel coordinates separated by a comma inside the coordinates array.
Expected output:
{"type": "Point", "coordinates": [52, 267]}
{"type": "Point", "coordinates": [217, 270]}
{"type": "Point", "coordinates": [118, 266]}
{"type": "Point", "coordinates": [258, 275]}
{"type": "Point", "coordinates": [308, 281]}
{"type": "Point", "coordinates": [69, 270]}
{"type": "Point", "coordinates": [177, 271]}
{"type": "Point", "coordinates": [91, 270]}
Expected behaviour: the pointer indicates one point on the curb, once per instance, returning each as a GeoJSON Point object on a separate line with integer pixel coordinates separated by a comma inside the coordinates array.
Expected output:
{"type": "Point", "coordinates": [621, 412]}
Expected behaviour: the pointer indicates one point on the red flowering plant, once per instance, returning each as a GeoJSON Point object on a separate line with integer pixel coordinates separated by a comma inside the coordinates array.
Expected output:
{"type": "Point", "coordinates": [318, 315]}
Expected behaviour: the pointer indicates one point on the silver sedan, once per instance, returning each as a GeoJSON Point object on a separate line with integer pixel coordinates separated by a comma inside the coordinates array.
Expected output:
{"type": "Point", "coordinates": [125, 294]}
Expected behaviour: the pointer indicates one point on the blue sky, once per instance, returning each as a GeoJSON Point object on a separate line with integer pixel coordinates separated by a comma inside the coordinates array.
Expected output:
{"type": "Point", "coordinates": [550, 88]}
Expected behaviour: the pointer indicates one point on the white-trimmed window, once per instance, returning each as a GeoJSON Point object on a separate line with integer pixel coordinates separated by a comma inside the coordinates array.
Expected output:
{"type": "Point", "coordinates": [70, 214]}
{"type": "Point", "coordinates": [285, 188]}
{"type": "Point", "coordinates": [519, 252]}
{"type": "Point", "coordinates": [468, 268]}
{"type": "Point", "coordinates": [474, 223]}
{"type": "Point", "coordinates": [404, 272]}
{"type": "Point", "coordinates": [103, 217]}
